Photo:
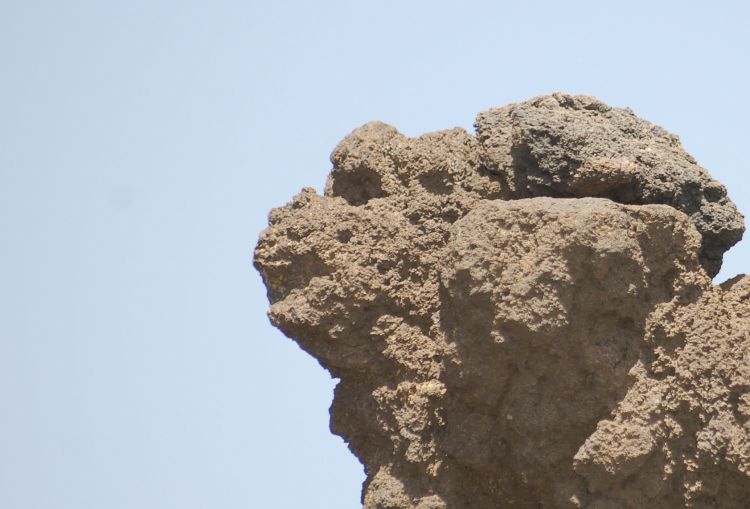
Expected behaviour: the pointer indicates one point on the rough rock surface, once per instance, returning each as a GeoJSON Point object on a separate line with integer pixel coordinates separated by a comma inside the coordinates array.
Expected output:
{"type": "Point", "coordinates": [576, 146]}
{"type": "Point", "coordinates": [525, 318]}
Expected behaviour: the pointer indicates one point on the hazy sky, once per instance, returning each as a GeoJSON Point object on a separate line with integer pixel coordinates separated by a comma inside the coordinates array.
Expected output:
{"type": "Point", "coordinates": [142, 145]}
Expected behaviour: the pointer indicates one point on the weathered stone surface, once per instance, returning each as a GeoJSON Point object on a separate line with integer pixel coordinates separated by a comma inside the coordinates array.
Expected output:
{"type": "Point", "coordinates": [498, 349]}
{"type": "Point", "coordinates": [576, 146]}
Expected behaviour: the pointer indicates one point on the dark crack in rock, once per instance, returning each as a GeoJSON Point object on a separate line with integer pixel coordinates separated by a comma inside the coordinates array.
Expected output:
{"type": "Point", "coordinates": [523, 319]}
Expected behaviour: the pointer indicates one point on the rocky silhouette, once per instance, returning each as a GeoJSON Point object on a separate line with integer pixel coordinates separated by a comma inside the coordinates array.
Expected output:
{"type": "Point", "coordinates": [524, 318]}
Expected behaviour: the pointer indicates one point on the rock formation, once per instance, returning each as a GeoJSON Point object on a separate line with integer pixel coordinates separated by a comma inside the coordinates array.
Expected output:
{"type": "Point", "coordinates": [525, 318]}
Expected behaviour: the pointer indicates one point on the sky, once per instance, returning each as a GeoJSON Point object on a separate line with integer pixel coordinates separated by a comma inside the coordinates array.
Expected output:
{"type": "Point", "coordinates": [142, 145]}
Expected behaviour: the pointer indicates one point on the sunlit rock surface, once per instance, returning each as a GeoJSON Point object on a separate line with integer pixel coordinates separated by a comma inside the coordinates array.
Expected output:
{"type": "Point", "coordinates": [524, 318]}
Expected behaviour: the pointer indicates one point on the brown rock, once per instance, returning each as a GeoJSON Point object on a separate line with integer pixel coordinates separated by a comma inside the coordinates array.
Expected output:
{"type": "Point", "coordinates": [497, 349]}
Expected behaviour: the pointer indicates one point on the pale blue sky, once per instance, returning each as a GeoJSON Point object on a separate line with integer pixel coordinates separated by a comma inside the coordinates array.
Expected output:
{"type": "Point", "coordinates": [142, 145]}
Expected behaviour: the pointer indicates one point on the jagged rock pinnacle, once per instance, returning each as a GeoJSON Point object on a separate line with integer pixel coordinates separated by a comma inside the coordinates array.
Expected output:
{"type": "Point", "coordinates": [524, 318]}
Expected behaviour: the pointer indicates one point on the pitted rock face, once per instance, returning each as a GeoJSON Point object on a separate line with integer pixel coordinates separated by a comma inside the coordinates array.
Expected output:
{"type": "Point", "coordinates": [498, 349]}
{"type": "Point", "coordinates": [576, 146]}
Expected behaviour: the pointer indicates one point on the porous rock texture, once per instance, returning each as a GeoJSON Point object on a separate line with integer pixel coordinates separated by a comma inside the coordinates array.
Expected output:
{"type": "Point", "coordinates": [525, 318]}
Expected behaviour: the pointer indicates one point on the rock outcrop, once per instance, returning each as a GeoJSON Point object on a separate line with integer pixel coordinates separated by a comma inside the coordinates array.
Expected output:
{"type": "Point", "coordinates": [524, 318]}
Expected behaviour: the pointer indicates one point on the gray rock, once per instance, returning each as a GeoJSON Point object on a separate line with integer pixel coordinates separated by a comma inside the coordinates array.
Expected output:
{"type": "Point", "coordinates": [576, 146]}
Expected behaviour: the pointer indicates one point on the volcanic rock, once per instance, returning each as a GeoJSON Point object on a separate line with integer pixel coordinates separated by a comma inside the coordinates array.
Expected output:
{"type": "Point", "coordinates": [524, 318]}
{"type": "Point", "coordinates": [576, 146]}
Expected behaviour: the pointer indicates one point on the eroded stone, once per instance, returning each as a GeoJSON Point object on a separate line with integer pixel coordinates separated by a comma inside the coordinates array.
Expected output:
{"type": "Point", "coordinates": [507, 333]}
